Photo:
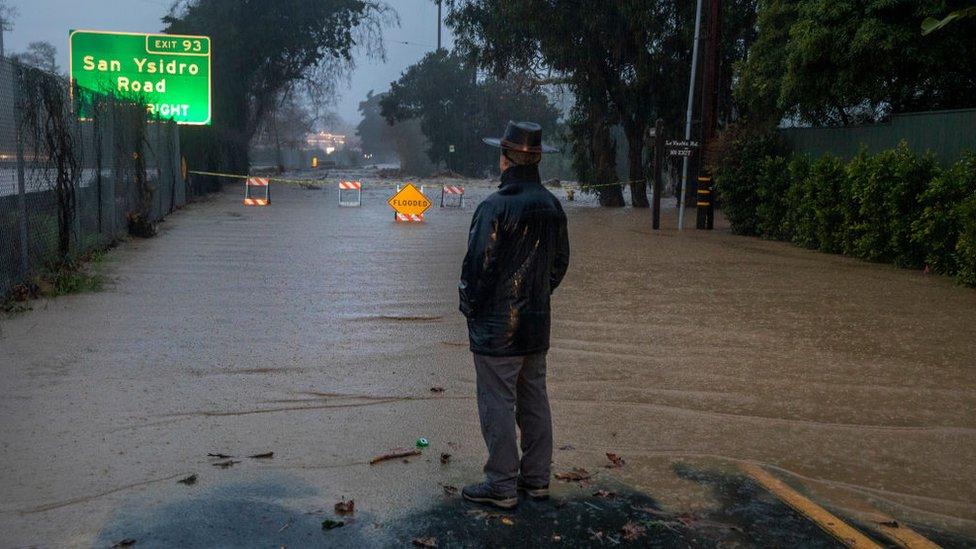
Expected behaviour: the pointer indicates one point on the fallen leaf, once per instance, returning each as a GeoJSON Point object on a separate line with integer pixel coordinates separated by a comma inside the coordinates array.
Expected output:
{"type": "Point", "coordinates": [329, 524]}
{"type": "Point", "coordinates": [425, 542]}
{"type": "Point", "coordinates": [394, 454]}
{"type": "Point", "coordinates": [345, 507]}
{"type": "Point", "coordinates": [189, 481]}
{"type": "Point", "coordinates": [266, 455]}
{"type": "Point", "coordinates": [450, 490]}
{"type": "Point", "coordinates": [445, 459]}
{"type": "Point", "coordinates": [577, 474]}
{"type": "Point", "coordinates": [220, 456]}
{"type": "Point", "coordinates": [437, 389]}
{"type": "Point", "coordinates": [507, 521]}
{"type": "Point", "coordinates": [606, 494]}
{"type": "Point", "coordinates": [615, 461]}
{"type": "Point", "coordinates": [631, 531]}
{"type": "Point", "coordinates": [225, 464]}
{"type": "Point", "coordinates": [127, 542]}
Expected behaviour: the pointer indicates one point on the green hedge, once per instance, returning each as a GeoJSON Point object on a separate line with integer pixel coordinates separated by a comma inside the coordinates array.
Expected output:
{"type": "Point", "coordinates": [895, 206]}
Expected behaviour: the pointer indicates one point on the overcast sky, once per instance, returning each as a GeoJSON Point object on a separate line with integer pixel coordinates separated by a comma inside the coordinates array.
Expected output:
{"type": "Point", "coordinates": [50, 20]}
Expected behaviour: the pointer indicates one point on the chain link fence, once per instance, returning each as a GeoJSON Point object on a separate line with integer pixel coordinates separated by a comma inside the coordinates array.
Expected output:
{"type": "Point", "coordinates": [69, 186]}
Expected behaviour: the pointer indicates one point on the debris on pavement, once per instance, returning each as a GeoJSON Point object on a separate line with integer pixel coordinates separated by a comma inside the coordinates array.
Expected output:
{"type": "Point", "coordinates": [345, 507]}
{"type": "Point", "coordinates": [425, 542]}
{"type": "Point", "coordinates": [507, 521]}
{"type": "Point", "coordinates": [631, 531]}
{"type": "Point", "coordinates": [422, 442]}
{"type": "Point", "coordinates": [226, 464]}
{"type": "Point", "coordinates": [266, 455]}
{"type": "Point", "coordinates": [219, 456]}
{"type": "Point", "coordinates": [597, 507]}
{"type": "Point", "coordinates": [394, 454]}
{"type": "Point", "coordinates": [567, 447]}
{"type": "Point", "coordinates": [615, 461]}
{"type": "Point", "coordinates": [445, 458]}
{"type": "Point", "coordinates": [437, 389]}
{"type": "Point", "coordinates": [189, 481]}
{"type": "Point", "coordinates": [127, 542]}
{"type": "Point", "coordinates": [575, 475]}
{"type": "Point", "coordinates": [329, 524]}
{"type": "Point", "coordinates": [449, 490]}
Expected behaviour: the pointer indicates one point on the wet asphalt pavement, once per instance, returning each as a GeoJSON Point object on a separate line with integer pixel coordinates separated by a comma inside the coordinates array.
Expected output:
{"type": "Point", "coordinates": [317, 332]}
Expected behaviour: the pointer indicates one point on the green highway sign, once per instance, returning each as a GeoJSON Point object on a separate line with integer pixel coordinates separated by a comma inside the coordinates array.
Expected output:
{"type": "Point", "coordinates": [170, 73]}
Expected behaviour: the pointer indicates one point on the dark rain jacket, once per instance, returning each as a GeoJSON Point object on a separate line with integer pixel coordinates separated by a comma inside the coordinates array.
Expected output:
{"type": "Point", "coordinates": [518, 252]}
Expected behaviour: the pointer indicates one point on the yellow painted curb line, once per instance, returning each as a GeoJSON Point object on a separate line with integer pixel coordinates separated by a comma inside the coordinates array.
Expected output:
{"type": "Point", "coordinates": [806, 507]}
{"type": "Point", "coordinates": [902, 535]}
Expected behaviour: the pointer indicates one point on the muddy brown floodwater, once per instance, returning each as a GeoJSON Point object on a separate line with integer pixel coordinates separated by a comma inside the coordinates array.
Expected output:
{"type": "Point", "coordinates": [316, 332]}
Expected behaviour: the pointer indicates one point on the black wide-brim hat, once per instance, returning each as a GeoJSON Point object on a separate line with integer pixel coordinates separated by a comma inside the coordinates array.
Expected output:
{"type": "Point", "coordinates": [523, 137]}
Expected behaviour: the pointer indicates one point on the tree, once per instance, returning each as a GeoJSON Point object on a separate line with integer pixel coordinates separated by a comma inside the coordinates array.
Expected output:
{"type": "Point", "coordinates": [620, 59]}
{"type": "Point", "coordinates": [457, 109]}
{"type": "Point", "coordinates": [263, 49]}
{"type": "Point", "coordinates": [842, 62]}
{"type": "Point", "coordinates": [42, 55]}
{"type": "Point", "coordinates": [373, 131]}
{"type": "Point", "coordinates": [286, 126]}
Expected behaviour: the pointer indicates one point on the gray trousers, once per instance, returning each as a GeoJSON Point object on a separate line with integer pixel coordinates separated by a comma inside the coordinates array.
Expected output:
{"type": "Point", "coordinates": [512, 391]}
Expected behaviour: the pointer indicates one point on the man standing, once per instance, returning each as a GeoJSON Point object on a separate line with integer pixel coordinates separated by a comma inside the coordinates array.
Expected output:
{"type": "Point", "coordinates": [518, 252]}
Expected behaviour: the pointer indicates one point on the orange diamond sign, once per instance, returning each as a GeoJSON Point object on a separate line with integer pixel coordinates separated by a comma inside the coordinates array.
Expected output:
{"type": "Point", "coordinates": [409, 201]}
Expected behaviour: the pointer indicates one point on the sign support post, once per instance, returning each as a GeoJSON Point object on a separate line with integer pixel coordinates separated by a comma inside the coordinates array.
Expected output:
{"type": "Point", "coordinates": [658, 173]}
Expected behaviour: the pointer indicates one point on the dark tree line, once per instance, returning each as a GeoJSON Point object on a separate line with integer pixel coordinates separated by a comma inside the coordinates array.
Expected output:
{"type": "Point", "coordinates": [262, 51]}
{"type": "Point", "coordinates": [456, 108]}
{"type": "Point", "coordinates": [626, 63]}
{"type": "Point", "coordinates": [844, 62]}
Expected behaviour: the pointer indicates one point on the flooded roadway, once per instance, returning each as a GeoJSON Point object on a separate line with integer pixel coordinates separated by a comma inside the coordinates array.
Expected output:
{"type": "Point", "coordinates": [317, 332]}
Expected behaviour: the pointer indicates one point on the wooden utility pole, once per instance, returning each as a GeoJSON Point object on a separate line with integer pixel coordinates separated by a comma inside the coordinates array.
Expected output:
{"type": "Point", "coordinates": [710, 76]}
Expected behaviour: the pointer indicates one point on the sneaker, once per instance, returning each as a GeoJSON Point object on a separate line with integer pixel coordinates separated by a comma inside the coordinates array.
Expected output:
{"type": "Point", "coordinates": [534, 492]}
{"type": "Point", "coordinates": [482, 493]}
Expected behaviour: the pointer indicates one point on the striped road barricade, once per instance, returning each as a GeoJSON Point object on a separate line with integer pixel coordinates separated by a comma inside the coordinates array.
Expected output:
{"type": "Point", "coordinates": [256, 182]}
{"type": "Point", "coordinates": [454, 190]}
{"type": "Point", "coordinates": [350, 187]}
